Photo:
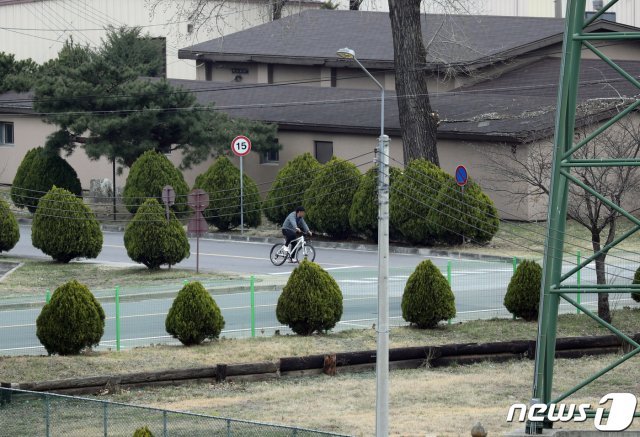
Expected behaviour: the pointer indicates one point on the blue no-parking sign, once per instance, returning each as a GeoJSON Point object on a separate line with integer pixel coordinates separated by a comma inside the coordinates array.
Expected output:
{"type": "Point", "coordinates": [461, 175]}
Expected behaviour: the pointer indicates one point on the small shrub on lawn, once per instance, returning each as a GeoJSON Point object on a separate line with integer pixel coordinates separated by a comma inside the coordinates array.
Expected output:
{"type": "Point", "coordinates": [311, 301]}
{"type": "Point", "coordinates": [152, 241]}
{"type": "Point", "coordinates": [194, 316]}
{"type": "Point", "coordinates": [9, 231]}
{"type": "Point", "coordinates": [72, 320]}
{"type": "Point", "coordinates": [39, 171]}
{"type": "Point", "coordinates": [143, 432]}
{"type": "Point", "coordinates": [222, 182]}
{"type": "Point", "coordinates": [149, 174]}
{"type": "Point", "coordinates": [427, 297]}
{"type": "Point", "coordinates": [523, 293]}
{"type": "Point", "coordinates": [287, 191]}
{"type": "Point", "coordinates": [328, 198]}
{"type": "Point", "coordinates": [65, 228]}
{"type": "Point", "coordinates": [636, 280]}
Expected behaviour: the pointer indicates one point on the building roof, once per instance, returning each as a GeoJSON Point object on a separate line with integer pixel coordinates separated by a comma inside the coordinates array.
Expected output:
{"type": "Point", "coordinates": [312, 38]}
{"type": "Point", "coordinates": [518, 106]}
{"type": "Point", "coordinates": [597, 80]}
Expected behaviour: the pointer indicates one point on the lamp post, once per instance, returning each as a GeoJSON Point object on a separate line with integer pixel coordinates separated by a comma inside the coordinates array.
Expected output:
{"type": "Point", "coordinates": [382, 327]}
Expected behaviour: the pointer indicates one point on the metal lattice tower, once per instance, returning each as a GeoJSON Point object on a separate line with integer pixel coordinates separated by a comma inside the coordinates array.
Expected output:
{"type": "Point", "coordinates": [576, 39]}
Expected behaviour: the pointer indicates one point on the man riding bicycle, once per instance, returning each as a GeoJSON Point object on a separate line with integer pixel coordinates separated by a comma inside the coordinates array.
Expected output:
{"type": "Point", "coordinates": [294, 223]}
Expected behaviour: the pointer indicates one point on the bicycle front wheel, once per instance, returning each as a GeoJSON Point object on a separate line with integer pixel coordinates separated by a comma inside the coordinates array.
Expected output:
{"type": "Point", "coordinates": [277, 256]}
{"type": "Point", "coordinates": [307, 252]}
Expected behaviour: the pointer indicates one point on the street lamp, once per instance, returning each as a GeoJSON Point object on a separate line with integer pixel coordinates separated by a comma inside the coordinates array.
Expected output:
{"type": "Point", "coordinates": [382, 327]}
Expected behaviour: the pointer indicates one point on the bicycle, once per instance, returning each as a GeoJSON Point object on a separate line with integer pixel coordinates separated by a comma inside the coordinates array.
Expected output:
{"type": "Point", "coordinates": [301, 248]}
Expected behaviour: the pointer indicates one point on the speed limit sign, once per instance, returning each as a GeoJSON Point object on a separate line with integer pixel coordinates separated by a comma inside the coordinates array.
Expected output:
{"type": "Point", "coordinates": [241, 145]}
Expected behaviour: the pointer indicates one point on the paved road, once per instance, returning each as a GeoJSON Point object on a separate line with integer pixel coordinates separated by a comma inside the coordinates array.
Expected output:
{"type": "Point", "coordinates": [479, 288]}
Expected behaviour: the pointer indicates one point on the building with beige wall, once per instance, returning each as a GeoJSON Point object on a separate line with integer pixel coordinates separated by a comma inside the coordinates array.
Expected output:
{"type": "Point", "coordinates": [508, 109]}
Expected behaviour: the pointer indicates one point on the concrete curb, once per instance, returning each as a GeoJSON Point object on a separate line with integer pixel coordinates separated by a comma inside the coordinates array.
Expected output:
{"type": "Point", "coordinates": [368, 247]}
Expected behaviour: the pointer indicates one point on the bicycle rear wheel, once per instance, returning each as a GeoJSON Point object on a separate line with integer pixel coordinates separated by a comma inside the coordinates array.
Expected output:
{"type": "Point", "coordinates": [307, 252]}
{"type": "Point", "coordinates": [277, 255]}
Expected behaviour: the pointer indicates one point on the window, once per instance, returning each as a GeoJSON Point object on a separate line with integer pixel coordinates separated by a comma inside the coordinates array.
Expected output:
{"type": "Point", "coordinates": [208, 71]}
{"type": "Point", "coordinates": [270, 156]}
{"type": "Point", "coordinates": [6, 133]}
{"type": "Point", "coordinates": [334, 77]}
{"type": "Point", "coordinates": [324, 151]}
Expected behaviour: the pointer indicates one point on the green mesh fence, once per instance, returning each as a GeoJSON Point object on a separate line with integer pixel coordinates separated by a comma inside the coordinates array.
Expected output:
{"type": "Point", "coordinates": [25, 413]}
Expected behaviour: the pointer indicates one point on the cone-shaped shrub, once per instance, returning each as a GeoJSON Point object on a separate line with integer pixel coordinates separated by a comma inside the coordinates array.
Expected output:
{"type": "Point", "coordinates": [39, 171]}
{"type": "Point", "coordinates": [427, 297]}
{"type": "Point", "coordinates": [143, 432]}
{"type": "Point", "coordinates": [523, 293]}
{"type": "Point", "coordinates": [363, 214]}
{"type": "Point", "coordinates": [72, 320]}
{"type": "Point", "coordinates": [467, 213]}
{"type": "Point", "coordinates": [65, 228]}
{"type": "Point", "coordinates": [636, 280]}
{"type": "Point", "coordinates": [287, 191]}
{"type": "Point", "coordinates": [194, 316]}
{"type": "Point", "coordinates": [149, 174]}
{"type": "Point", "coordinates": [328, 198]}
{"type": "Point", "coordinates": [9, 231]}
{"type": "Point", "coordinates": [415, 192]}
{"type": "Point", "coordinates": [311, 301]}
{"type": "Point", "coordinates": [151, 240]}
{"type": "Point", "coordinates": [222, 182]}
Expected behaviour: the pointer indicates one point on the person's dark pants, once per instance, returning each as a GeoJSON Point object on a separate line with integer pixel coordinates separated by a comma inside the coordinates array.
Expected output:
{"type": "Point", "coordinates": [289, 236]}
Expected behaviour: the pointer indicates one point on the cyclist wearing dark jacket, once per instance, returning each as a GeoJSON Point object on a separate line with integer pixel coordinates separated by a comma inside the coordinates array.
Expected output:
{"type": "Point", "coordinates": [292, 224]}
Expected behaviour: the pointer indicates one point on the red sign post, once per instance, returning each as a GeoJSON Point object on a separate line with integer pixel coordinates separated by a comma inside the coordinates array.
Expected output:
{"type": "Point", "coordinates": [199, 201]}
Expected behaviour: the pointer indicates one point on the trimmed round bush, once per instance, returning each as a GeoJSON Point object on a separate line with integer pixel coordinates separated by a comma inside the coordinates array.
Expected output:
{"type": "Point", "coordinates": [18, 194]}
{"type": "Point", "coordinates": [287, 191]}
{"type": "Point", "coordinates": [415, 192]}
{"type": "Point", "coordinates": [427, 297]}
{"type": "Point", "coordinates": [636, 280]}
{"type": "Point", "coordinates": [149, 174]}
{"type": "Point", "coordinates": [523, 293]}
{"type": "Point", "coordinates": [39, 171]}
{"type": "Point", "coordinates": [65, 228]}
{"type": "Point", "coordinates": [311, 301]}
{"type": "Point", "coordinates": [152, 241]}
{"type": "Point", "coordinates": [222, 182]}
{"type": "Point", "coordinates": [464, 214]}
{"type": "Point", "coordinates": [143, 432]}
{"type": "Point", "coordinates": [9, 231]}
{"type": "Point", "coordinates": [194, 316]}
{"type": "Point", "coordinates": [328, 199]}
{"type": "Point", "coordinates": [363, 214]}
{"type": "Point", "coordinates": [72, 320]}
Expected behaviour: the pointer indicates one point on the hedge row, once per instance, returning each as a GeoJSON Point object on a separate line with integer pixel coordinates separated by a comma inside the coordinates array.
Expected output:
{"type": "Point", "coordinates": [426, 204]}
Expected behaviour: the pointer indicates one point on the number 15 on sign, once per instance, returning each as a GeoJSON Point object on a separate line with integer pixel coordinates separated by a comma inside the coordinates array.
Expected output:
{"type": "Point", "coordinates": [241, 146]}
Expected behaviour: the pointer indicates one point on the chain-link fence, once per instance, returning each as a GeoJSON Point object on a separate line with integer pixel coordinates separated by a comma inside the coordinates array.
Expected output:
{"type": "Point", "coordinates": [137, 316]}
{"type": "Point", "coordinates": [26, 413]}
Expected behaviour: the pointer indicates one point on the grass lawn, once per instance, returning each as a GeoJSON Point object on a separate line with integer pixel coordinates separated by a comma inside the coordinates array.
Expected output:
{"type": "Point", "coordinates": [442, 401]}
{"type": "Point", "coordinates": [35, 276]}
{"type": "Point", "coordinates": [38, 368]}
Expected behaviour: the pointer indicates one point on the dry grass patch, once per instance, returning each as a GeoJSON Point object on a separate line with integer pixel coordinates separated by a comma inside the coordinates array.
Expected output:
{"type": "Point", "coordinates": [447, 401]}
{"type": "Point", "coordinates": [34, 277]}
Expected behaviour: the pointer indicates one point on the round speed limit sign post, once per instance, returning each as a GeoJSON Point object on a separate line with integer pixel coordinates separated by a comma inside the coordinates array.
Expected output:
{"type": "Point", "coordinates": [241, 146]}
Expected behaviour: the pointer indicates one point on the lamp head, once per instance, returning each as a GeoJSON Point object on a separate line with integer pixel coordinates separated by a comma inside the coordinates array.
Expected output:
{"type": "Point", "coordinates": [346, 53]}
